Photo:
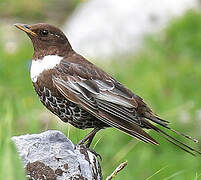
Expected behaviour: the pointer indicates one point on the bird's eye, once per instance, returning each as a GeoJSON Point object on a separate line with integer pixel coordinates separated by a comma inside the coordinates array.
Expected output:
{"type": "Point", "coordinates": [44, 32]}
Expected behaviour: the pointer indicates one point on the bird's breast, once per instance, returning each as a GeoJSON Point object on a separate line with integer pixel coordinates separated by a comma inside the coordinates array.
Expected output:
{"type": "Point", "coordinates": [40, 65]}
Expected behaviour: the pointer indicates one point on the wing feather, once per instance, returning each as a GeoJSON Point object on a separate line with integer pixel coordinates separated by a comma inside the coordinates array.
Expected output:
{"type": "Point", "coordinates": [109, 116]}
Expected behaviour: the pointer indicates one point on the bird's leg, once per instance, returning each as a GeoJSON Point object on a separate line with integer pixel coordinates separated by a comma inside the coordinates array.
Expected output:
{"type": "Point", "coordinates": [89, 137]}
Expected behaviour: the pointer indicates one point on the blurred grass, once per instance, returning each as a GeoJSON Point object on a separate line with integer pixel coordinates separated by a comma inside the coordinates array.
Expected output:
{"type": "Point", "coordinates": [166, 74]}
{"type": "Point", "coordinates": [37, 10]}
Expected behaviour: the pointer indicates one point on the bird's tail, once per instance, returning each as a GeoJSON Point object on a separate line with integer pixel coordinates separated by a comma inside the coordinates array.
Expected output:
{"type": "Point", "coordinates": [170, 138]}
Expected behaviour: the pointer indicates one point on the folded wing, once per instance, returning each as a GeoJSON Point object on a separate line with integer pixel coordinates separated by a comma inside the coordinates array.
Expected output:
{"type": "Point", "coordinates": [99, 99]}
{"type": "Point", "coordinates": [105, 98]}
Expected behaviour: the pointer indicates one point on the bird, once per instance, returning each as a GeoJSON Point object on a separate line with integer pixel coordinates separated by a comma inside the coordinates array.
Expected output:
{"type": "Point", "coordinates": [82, 94]}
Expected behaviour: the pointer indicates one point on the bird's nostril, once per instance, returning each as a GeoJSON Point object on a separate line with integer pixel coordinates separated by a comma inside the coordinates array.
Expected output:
{"type": "Point", "coordinates": [26, 26]}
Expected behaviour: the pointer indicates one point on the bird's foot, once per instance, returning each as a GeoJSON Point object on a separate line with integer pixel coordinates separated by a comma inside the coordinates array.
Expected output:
{"type": "Point", "coordinates": [83, 148]}
{"type": "Point", "coordinates": [88, 139]}
{"type": "Point", "coordinates": [86, 142]}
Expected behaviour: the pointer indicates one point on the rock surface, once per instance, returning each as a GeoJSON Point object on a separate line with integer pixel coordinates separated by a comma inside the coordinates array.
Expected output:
{"type": "Point", "coordinates": [109, 28]}
{"type": "Point", "coordinates": [51, 155]}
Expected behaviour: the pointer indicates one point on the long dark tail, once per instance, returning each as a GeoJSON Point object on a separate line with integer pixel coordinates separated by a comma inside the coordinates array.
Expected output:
{"type": "Point", "coordinates": [170, 138]}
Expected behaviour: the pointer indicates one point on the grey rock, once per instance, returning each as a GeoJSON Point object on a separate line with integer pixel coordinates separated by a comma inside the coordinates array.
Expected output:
{"type": "Point", "coordinates": [51, 155]}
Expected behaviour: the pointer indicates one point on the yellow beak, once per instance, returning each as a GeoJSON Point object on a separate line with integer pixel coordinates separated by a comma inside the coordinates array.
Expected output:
{"type": "Point", "coordinates": [26, 28]}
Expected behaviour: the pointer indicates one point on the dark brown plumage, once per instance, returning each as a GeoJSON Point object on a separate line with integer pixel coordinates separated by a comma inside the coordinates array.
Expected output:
{"type": "Point", "coordinates": [82, 94]}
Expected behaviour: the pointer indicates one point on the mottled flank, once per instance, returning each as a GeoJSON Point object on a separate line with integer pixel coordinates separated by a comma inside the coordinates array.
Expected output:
{"type": "Point", "coordinates": [67, 111]}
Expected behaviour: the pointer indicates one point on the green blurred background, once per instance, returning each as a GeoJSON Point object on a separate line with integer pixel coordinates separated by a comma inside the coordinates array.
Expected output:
{"type": "Point", "coordinates": [166, 73]}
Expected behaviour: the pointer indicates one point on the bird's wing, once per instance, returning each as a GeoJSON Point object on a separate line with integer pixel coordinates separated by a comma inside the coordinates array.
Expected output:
{"type": "Point", "coordinates": [102, 96]}
{"type": "Point", "coordinates": [112, 103]}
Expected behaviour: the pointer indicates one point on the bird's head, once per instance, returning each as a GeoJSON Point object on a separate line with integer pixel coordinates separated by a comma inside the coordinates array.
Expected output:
{"type": "Point", "coordinates": [46, 39]}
